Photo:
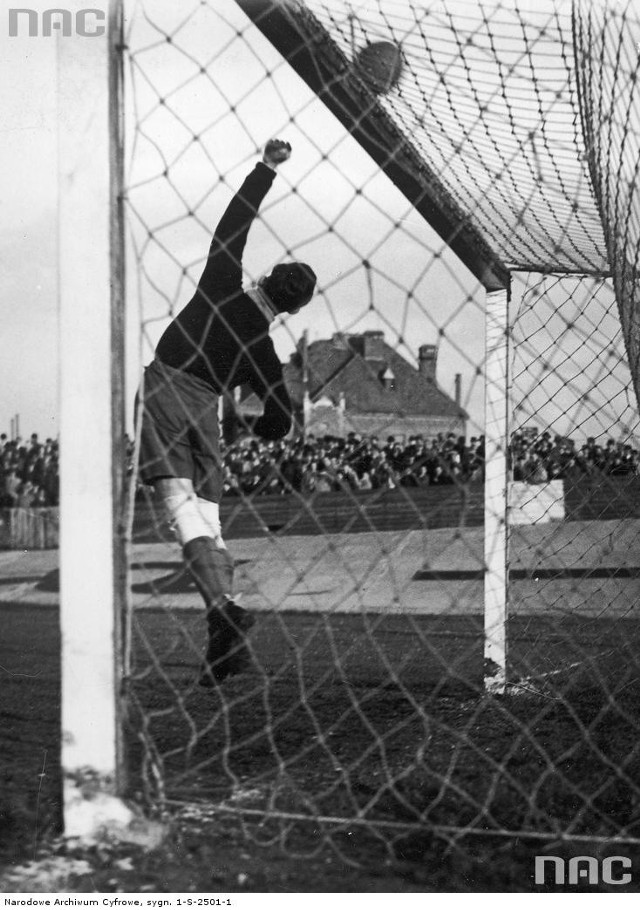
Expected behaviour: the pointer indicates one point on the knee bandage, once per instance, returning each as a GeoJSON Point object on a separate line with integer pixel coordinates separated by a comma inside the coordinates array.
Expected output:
{"type": "Point", "coordinates": [191, 517]}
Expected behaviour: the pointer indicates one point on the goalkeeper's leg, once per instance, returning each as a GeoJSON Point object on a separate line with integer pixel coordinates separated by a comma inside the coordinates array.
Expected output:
{"type": "Point", "coordinates": [196, 523]}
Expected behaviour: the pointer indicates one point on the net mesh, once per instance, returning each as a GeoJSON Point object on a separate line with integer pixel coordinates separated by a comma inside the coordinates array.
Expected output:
{"type": "Point", "coordinates": [489, 101]}
{"type": "Point", "coordinates": [607, 54]}
{"type": "Point", "coordinates": [358, 541]}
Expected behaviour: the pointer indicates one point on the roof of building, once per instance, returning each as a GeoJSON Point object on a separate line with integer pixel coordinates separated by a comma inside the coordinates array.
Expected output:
{"type": "Point", "coordinates": [337, 367]}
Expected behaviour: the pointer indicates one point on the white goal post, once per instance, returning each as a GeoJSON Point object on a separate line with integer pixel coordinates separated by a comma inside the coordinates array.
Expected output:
{"type": "Point", "coordinates": [93, 563]}
{"type": "Point", "coordinates": [496, 489]}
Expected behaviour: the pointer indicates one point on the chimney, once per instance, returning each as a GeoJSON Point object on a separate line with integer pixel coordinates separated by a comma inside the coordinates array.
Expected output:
{"type": "Point", "coordinates": [373, 345]}
{"type": "Point", "coordinates": [458, 389]}
{"type": "Point", "coordinates": [427, 361]}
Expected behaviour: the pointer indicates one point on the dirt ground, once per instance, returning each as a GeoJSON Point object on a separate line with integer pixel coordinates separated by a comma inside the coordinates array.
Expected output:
{"type": "Point", "coordinates": [359, 754]}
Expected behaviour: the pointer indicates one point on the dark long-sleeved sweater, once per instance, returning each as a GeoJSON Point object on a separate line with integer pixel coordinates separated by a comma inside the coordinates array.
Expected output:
{"type": "Point", "coordinates": [221, 336]}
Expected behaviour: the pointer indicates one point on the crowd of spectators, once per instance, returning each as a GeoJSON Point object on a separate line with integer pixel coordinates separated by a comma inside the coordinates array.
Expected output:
{"type": "Point", "coordinates": [29, 468]}
{"type": "Point", "coordinates": [28, 472]}
{"type": "Point", "coordinates": [369, 463]}
{"type": "Point", "coordinates": [537, 458]}
{"type": "Point", "coordinates": [329, 463]}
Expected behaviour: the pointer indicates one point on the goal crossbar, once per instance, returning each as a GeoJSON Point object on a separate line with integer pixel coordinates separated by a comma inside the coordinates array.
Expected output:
{"type": "Point", "coordinates": [310, 51]}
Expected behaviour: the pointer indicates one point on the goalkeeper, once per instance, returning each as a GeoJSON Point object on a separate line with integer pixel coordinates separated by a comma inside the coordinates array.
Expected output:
{"type": "Point", "coordinates": [218, 341]}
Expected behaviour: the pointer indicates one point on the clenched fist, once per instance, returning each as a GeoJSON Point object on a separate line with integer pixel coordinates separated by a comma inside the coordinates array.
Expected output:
{"type": "Point", "coordinates": [275, 152]}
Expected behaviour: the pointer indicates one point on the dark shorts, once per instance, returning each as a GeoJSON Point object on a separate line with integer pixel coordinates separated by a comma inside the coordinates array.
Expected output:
{"type": "Point", "coordinates": [180, 435]}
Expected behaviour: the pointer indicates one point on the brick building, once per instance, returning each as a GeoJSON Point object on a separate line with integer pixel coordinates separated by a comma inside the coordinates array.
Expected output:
{"type": "Point", "coordinates": [359, 383]}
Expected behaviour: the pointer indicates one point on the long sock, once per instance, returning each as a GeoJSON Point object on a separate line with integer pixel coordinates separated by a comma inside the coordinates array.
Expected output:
{"type": "Point", "coordinates": [211, 569]}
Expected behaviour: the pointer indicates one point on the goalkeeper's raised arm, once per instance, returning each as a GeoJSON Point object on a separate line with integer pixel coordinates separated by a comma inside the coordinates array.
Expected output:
{"type": "Point", "coordinates": [224, 263]}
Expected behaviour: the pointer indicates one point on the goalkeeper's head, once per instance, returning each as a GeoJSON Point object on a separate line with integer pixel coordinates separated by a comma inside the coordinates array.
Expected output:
{"type": "Point", "coordinates": [290, 286]}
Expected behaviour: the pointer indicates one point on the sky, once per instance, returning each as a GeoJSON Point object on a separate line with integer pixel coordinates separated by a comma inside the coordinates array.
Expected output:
{"type": "Point", "coordinates": [198, 109]}
{"type": "Point", "coordinates": [28, 198]}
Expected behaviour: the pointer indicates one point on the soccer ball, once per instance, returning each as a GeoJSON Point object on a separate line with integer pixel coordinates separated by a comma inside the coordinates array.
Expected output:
{"type": "Point", "coordinates": [379, 65]}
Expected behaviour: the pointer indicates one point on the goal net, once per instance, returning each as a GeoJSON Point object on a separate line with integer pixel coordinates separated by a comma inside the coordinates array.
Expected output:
{"type": "Point", "coordinates": [458, 501]}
